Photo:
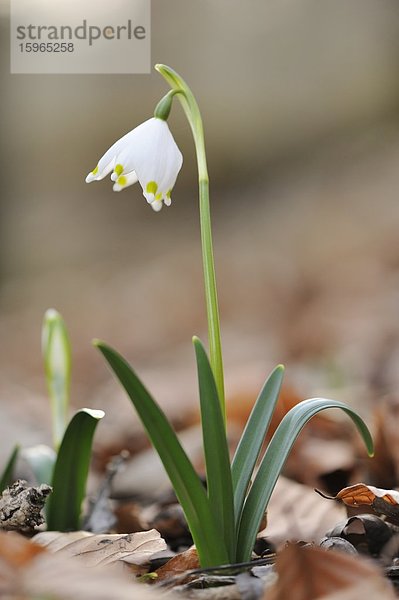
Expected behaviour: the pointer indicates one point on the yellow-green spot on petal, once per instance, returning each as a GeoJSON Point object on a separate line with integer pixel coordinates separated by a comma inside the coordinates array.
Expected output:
{"type": "Point", "coordinates": [118, 170]}
{"type": "Point", "coordinates": [95, 171]}
{"type": "Point", "coordinates": [158, 197]}
{"type": "Point", "coordinates": [121, 180]}
{"type": "Point", "coordinates": [152, 187]}
{"type": "Point", "coordinates": [168, 193]}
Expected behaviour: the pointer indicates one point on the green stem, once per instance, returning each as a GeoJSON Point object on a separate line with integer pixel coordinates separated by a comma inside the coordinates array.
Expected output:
{"type": "Point", "coordinates": [215, 346]}
{"type": "Point", "coordinates": [193, 115]}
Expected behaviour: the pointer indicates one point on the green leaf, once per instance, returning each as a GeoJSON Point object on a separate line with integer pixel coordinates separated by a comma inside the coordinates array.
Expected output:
{"type": "Point", "coordinates": [57, 366]}
{"type": "Point", "coordinates": [251, 441]}
{"type": "Point", "coordinates": [7, 475]}
{"type": "Point", "coordinates": [218, 471]}
{"type": "Point", "coordinates": [273, 462]}
{"type": "Point", "coordinates": [71, 470]}
{"type": "Point", "coordinates": [185, 481]}
{"type": "Point", "coordinates": [41, 459]}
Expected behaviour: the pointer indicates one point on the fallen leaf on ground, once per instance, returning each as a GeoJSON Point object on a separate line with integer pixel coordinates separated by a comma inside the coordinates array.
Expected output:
{"type": "Point", "coordinates": [28, 571]}
{"type": "Point", "coordinates": [373, 587]}
{"type": "Point", "coordinates": [178, 564]}
{"type": "Point", "coordinates": [367, 533]}
{"type": "Point", "coordinates": [295, 512]}
{"type": "Point", "coordinates": [129, 517]}
{"type": "Point", "coordinates": [308, 573]}
{"type": "Point", "coordinates": [15, 551]}
{"type": "Point", "coordinates": [383, 502]}
{"type": "Point", "coordinates": [171, 522]}
{"type": "Point", "coordinates": [361, 493]}
{"type": "Point", "coordinates": [135, 549]}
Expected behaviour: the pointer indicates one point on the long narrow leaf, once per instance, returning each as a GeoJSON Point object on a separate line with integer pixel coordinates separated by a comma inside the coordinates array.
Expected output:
{"type": "Point", "coordinates": [218, 471]}
{"type": "Point", "coordinates": [273, 462]}
{"type": "Point", "coordinates": [57, 366]}
{"type": "Point", "coordinates": [6, 476]}
{"type": "Point", "coordinates": [71, 470]}
{"type": "Point", "coordinates": [185, 481]}
{"type": "Point", "coordinates": [251, 441]}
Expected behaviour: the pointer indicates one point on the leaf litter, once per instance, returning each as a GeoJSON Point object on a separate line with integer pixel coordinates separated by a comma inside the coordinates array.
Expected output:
{"type": "Point", "coordinates": [135, 549]}
{"type": "Point", "coordinates": [295, 513]}
{"type": "Point", "coordinates": [29, 571]}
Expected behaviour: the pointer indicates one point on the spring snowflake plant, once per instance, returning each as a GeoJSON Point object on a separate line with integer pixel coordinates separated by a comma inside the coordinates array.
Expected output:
{"type": "Point", "coordinates": [65, 465]}
{"type": "Point", "coordinates": [223, 517]}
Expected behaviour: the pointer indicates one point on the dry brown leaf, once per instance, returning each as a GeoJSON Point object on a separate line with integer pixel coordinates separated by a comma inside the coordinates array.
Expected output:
{"type": "Point", "coordinates": [295, 512]}
{"type": "Point", "coordinates": [308, 573]}
{"type": "Point", "coordinates": [96, 549]}
{"type": "Point", "coordinates": [15, 551]}
{"type": "Point", "coordinates": [367, 533]}
{"type": "Point", "coordinates": [383, 502]}
{"type": "Point", "coordinates": [361, 493]}
{"type": "Point", "coordinates": [28, 571]}
{"type": "Point", "coordinates": [129, 518]}
{"type": "Point", "coordinates": [179, 564]}
{"type": "Point", "coordinates": [373, 587]}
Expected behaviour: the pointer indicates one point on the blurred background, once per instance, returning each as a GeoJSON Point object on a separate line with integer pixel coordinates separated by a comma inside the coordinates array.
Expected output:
{"type": "Point", "coordinates": [300, 101]}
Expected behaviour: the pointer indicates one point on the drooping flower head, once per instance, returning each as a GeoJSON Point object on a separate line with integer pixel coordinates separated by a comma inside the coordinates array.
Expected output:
{"type": "Point", "coordinates": [147, 154]}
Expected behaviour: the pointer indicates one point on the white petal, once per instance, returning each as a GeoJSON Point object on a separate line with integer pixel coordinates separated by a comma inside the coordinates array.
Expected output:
{"type": "Point", "coordinates": [116, 149]}
{"type": "Point", "coordinates": [151, 160]}
{"type": "Point", "coordinates": [139, 145]}
{"type": "Point", "coordinates": [90, 177]}
{"type": "Point", "coordinates": [148, 154]}
{"type": "Point", "coordinates": [96, 175]}
{"type": "Point", "coordinates": [173, 163]}
{"type": "Point", "coordinates": [160, 161]}
{"type": "Point", "coordinates": [108, 160]}
{"type": "Point", "coordinates": [156, 205]}
{"type": "Point", "coordinates": [124, 181]}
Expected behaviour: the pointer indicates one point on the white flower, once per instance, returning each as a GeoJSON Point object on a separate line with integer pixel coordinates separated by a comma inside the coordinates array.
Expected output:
{"type": "Point", "coordinates": [147, 154]}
